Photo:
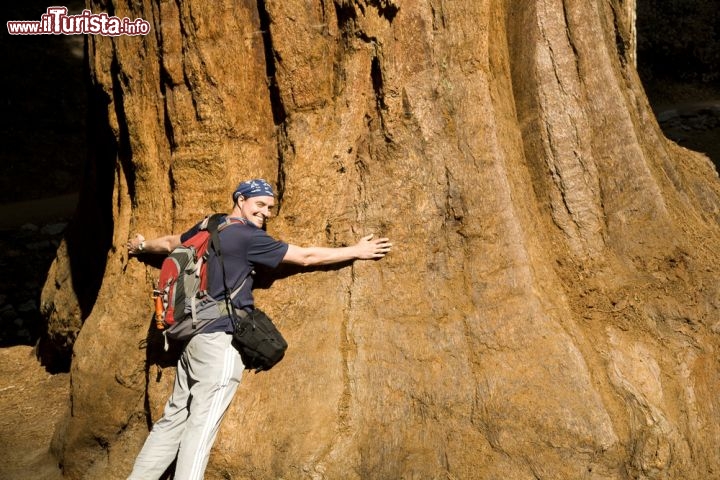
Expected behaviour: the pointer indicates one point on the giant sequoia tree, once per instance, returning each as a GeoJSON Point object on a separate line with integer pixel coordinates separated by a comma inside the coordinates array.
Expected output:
{"type": "Point", "coordinates": [550, 309]}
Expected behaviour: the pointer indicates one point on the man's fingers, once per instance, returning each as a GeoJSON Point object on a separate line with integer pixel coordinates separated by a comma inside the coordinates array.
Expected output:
{"type": "Point", "coordinates": [383, 246]}
{"type": "Point", "coordinates": [378, 247]}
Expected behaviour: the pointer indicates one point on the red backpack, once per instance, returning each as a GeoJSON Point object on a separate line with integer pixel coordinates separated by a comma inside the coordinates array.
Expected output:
{"type": "Point", "coordinates": [183, 306]}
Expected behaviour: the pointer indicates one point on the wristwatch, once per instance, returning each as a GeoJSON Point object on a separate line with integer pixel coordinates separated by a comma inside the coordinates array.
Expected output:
{"type": "Point", "coordinates": [141, 246]}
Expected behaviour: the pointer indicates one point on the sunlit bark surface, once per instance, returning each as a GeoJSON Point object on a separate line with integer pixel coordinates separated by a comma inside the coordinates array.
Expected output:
{"type": "Point", "coordinates": [550, 309]}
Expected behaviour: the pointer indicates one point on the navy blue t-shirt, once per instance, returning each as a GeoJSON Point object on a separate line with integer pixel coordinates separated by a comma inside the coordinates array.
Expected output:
{"type": "Point", "coordinates": [244, 248]}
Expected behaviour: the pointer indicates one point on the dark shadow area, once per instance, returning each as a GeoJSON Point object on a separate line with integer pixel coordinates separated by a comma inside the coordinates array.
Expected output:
{"type": "Point", "coordinates": [89, 235]}
{"type": "Point", "coordinates": [276, 103]}
{"type": "Point", "coordinates": [44, 104]}
{"type": "Point", "coordinates": [679, 64]}
{"type": "Point", "coordinates": [54, 185]}
{"type": "Point", "coordinates": [159, 352]}
{"type": "Point", "coordinates": [42, 131]}
{"type": "Point", "coordinates": [678, 43]}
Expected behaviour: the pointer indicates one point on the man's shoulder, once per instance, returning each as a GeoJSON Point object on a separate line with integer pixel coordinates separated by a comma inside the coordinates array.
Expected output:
{"type": "Point", "coordinates": [243, 229]}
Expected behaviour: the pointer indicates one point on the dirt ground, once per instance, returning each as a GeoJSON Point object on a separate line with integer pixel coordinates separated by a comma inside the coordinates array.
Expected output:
{"type": "Point", "coordinates": [32, 402]}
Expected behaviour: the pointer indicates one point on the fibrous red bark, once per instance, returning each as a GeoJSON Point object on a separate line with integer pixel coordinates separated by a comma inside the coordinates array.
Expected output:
{"type": "Point", "coordinates": [550, 307]}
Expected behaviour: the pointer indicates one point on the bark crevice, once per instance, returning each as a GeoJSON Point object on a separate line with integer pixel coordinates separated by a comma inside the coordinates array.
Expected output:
{"type": "Point", "coordinates": [271, 58]}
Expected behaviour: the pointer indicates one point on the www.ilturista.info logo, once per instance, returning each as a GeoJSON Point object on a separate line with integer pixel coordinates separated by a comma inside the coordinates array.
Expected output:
{"type": "Point", "coordinates": [57, 22]}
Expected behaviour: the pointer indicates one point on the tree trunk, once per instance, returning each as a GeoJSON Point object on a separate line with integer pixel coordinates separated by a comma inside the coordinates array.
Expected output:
{"type": "Point", "coordinates": [550, 308]}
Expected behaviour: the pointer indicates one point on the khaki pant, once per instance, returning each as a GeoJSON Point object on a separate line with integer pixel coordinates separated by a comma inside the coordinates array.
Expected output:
{"type": "Point", "coordinates": [208, 374]}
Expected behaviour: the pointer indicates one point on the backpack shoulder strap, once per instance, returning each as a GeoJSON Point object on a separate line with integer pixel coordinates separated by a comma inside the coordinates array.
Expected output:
{"type": "Point", "coordinates": [227, 221]}
{"type": "Point", "coordinates": [213, 222]}
{"type": "Point", "coordinates": [215, 245]}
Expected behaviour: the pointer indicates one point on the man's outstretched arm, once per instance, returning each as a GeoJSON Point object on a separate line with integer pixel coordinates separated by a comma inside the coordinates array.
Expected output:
{"type": "Point", "coordinates": [164, 244]}
{"type": "Point", "coordinates": [366, 249]}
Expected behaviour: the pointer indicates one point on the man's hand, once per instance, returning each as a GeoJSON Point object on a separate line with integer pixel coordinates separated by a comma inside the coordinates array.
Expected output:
{"type": "Point", "coordinates": [368, 249]}
{"type": "Point", "coordinates": [136, 245]}
{"type": "Point", "coordinates": [161, 245]}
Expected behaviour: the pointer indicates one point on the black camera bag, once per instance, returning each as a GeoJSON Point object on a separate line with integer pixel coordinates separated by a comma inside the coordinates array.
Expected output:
{"type": "Point", "coordinates": [257, 339]}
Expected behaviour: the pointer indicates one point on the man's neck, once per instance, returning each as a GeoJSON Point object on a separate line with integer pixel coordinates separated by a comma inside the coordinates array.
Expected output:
{"type": "Point", "coordinates": [237, 213]}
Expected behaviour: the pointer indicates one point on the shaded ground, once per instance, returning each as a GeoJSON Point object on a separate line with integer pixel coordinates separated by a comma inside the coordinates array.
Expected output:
{"type": "Point", "coordinates": [695, 126]}
{"type": "Point", "coordinates": [30, 233]}
{"type": "Point", "coordinates": [689, 115]}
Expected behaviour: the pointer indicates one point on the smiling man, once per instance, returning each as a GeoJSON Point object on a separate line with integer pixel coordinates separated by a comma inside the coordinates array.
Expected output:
{"type": "Point", "coordinates": [210, 368]}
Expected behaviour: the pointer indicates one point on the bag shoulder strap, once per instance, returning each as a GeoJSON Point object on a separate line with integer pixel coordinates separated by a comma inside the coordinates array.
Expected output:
{"type": "Point", "coordinates": [213, 222]}
{"type": "Point", "coordinates": [214, 230]}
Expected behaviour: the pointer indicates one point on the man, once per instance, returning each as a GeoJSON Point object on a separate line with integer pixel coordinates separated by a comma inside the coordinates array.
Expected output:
{"type": "Point", "coordinates": [210, 368]}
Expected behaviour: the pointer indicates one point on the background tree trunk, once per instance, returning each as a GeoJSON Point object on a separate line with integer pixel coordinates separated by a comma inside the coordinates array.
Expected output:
{"type": "Point", "coordinates": [551, 306]}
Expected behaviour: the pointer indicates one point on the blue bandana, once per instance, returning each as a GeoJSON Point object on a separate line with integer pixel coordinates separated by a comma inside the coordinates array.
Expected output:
{"type": "Point", "coordinates": [253, 188]}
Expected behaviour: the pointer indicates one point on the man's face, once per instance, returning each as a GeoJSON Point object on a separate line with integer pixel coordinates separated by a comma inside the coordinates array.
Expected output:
{"type": "Point", "coordinates": [257, 209]}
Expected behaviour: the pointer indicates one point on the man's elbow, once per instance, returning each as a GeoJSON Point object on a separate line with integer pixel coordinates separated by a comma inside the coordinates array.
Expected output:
{"type": "Point", "coordinates": [301, 262]}
{"type": "Point", "coordinates": [299, 256]}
